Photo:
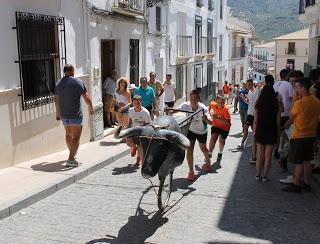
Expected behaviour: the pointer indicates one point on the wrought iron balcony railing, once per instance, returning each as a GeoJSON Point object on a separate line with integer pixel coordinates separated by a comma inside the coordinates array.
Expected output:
{"type": "Point", "coordinates": [205, 45]}
{"type": "Point", "coordinates": [291, 51]}
{"type": "Point", "coordinates": [239, 52]}
{"type": "Point", "coordinates": [184, 46]}
{"type": "Point", "coordinates": [137, 6]}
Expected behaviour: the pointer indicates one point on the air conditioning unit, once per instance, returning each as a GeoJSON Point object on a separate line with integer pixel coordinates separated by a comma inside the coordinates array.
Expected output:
{"type": "Point", "coordinates": [199, 3]}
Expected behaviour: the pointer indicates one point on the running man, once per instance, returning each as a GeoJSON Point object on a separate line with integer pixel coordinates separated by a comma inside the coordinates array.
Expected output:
{"type": "Point", "coordinates": [197, 132]}
{"type": "Point", "coordinates": [221, 118]}
{"type": "Point", "coordinates": [138, 116]}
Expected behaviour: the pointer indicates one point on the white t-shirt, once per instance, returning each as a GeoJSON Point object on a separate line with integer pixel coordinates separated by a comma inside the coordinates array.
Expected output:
{"type": "Point", "coordinates": [252, 97]}
{"type": "Point", "coordinates": [197, 125]}
{"type": "Point", "coordinates": [285, 91]}
{"type": "Point", "coordinates": [169, 93]}
{"type": "Point", "coordinates": [277, 85]}
{"type": "Point", "coordinates": [139, 118]}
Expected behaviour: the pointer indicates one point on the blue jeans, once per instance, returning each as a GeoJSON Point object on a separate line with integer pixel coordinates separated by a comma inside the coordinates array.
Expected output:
{"type": "Point", "coordinates": [72, 121]}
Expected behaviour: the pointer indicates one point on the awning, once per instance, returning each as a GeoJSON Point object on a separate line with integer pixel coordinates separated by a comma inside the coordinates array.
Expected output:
{"type": "Point", "coordinates": [245, 35]}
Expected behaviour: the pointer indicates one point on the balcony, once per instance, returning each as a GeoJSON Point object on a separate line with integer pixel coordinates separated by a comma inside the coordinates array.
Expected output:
{"type": "Point", "coordinates": [184, 48]}
{"type": "Point", "coordinates": [305, 4]}
{"type": "Point", "coordinates": [129, 7]}
{"type": "Point", "coordinates": [239, 52]}
{"type": "Point", "coordinates": [291, 51]}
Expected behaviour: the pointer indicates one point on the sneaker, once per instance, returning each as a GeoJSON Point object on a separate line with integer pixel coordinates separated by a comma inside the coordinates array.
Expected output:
{"type": "Point", "coordinates": [288, 180]}
{"type": "Point", "coordinates": [75, 163]}
{"type": "Point", "coordinates": [69, 163]}
{"type": "Point", "coordinates": [265, 179]}
{"type": "Point", "coordinates": [241, 146]}
{"type": "Point", "coordinates": [72, 163]}
{"type": "Point", "coordinates": [191, 176]}
{"type": "Point", "coordinates": [292, 188]}
{"type": "Point", "coordinates": [219, 157]}
{"type": "Point", "coordinates": [276, 155]}
{"type": "Point", "coordinates": [133, 151]}
{"type": "Point", "coordinates": [258, 178]}
{"type": "Point", "coordinates": [206, 167]}
{"type": "Point", "coordinates": [253, 160]}
{"type": "Point", "coordinates": [138, 161]}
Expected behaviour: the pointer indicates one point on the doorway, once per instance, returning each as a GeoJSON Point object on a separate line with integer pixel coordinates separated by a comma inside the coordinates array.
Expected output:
{"type": "Point", "coordinates": [107, 65]}
{"type": "Point", "coordinates": [134, 61]}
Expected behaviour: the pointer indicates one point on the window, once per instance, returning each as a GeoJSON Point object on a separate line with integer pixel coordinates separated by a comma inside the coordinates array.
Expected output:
{"type": "Point", "coordinates": [134, 61]}
{"type": "Point", "coordinates": [233, 77]}
{"type": "Point", "coordinates": [179, 81]}
{"type": "Point", "coordinates": [241, 73]}
{"type": "Point", "coordinates": [291, 48]}
{"type": "Point", "coordinates": [158, 18]}
{"type": "Point", "coordinates": [221, 9]}
{"type": "Point", "coordinates": [209, 36]}
{"type": "Point", "coordinates": [290, 64]}
{"type": "Point", "coordinates": [42, 52]}
{"type": "Point", "coordinates": [211, 91]}
{"type": "Point", "coordinates": [198, 76]}
{"type": "Point", "coordinates": [198, 34]}
{"type": "Point", "coordinates": [220, 47]}
{"type": "Point", "coordinates": [318, 59]}
{"type": "Point", "coordinates": [210, 5]}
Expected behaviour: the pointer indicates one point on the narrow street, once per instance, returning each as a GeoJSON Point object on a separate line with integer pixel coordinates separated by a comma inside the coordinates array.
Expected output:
{"type": "Point", "coordinates": [116, 205]}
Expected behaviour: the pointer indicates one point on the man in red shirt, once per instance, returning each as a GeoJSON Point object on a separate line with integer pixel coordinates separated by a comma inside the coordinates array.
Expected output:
{"type": "Point", "coordinates": [226, 91]}
{"type": "Point", "coordinates": [220, 125]}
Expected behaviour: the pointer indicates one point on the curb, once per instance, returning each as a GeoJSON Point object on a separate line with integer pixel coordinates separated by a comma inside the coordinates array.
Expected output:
{"type": "Point", "coordinates": [49, 190]}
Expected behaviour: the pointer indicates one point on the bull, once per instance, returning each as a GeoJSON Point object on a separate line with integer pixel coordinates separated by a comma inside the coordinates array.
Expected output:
{"type": "Point", "coordinates": [163, 146]}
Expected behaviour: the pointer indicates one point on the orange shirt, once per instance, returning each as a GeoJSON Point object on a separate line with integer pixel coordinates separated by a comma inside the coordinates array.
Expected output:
{"type": "Point", "coordinates": [306, 113]}
{"type": "Point", "coordinates": [226, 89]}
{"type": "Point", "coordinates": [222, 113]}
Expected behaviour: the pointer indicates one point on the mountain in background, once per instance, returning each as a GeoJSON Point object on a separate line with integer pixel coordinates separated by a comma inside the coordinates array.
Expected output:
{"type": "Point", "coordinates": [271, 18]}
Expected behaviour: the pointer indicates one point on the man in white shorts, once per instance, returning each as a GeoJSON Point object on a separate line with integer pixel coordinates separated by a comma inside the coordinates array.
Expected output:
{"type": "Point", "coordinates": [139, 116]}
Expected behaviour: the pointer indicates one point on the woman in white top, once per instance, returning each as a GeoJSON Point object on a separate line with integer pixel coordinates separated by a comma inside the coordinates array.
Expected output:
{"type": "Point", "coordinates": [122, 99]}
{"type": "Point", "coordinates": [169, 92]}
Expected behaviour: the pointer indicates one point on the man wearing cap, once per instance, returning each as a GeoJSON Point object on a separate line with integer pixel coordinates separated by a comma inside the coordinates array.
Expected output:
{"type": "Point", "coordinates": [158, 90]}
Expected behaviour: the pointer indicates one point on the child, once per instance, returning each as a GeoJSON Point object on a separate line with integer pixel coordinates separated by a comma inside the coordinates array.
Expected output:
{"type": "Point", "coordinates": [220, 125]}
{"type": "Point", "coordinates": [138, 116]}
{"type": "Point", "coordinates": [197, 131]}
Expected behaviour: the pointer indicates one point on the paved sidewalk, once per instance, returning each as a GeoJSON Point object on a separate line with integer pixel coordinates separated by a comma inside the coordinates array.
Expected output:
{"type": "Point", "coordinates": [31, 181]}
{"type": "Point", "coordinates": [28, 182]}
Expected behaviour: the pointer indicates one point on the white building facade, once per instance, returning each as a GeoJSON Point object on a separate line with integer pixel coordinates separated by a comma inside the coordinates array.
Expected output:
{"type": "Point", "coordinates": [239, 50]}
{"type": "Point", "coordinates": [310, 15]}
{"type": "Point", "coordinates": [291, 51]}
{"type": "Point", "coordinates": [187, 39]}
{"type": "Point", "coordinates": [263, 57]}
{"type": "Point", "coordinates": [39, 38]}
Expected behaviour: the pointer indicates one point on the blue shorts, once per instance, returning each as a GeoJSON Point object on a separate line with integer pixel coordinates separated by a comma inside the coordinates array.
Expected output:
{"type": "Point", "coordinates": [72, 121]}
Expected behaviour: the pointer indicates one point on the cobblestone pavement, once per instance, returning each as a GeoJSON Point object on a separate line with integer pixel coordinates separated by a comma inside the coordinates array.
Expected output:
{"type": "Point", "coordinates": [116, 205]}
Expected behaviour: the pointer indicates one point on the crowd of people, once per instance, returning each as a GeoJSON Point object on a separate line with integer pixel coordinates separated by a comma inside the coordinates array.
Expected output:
{"type": "Point", "coordinates": [283, 116]}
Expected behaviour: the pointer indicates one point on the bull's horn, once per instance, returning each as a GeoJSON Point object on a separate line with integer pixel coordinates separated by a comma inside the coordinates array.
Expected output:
{"type": "Point", "coordinates": [134, 131]}
{"type": "Point", "coordinates": [176, 137]}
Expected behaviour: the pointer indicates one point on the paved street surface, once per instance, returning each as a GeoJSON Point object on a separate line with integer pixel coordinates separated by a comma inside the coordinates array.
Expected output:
{"type": "Point", "coordinates": [116, 205]}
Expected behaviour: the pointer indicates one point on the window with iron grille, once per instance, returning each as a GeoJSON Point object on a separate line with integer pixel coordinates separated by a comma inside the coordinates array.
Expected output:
{"type": "Point", "coordinates": [158, 18]}
{"type": "Point", "coordinates": [42, 53]}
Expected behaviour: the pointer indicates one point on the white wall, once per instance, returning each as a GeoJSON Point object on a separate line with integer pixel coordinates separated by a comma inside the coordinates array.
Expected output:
{"type": "Point", "coordinates": [301, 57]}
